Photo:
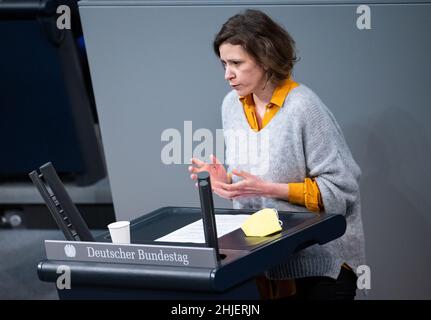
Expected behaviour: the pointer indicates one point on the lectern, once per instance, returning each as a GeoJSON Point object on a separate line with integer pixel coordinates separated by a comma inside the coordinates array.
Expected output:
{"type": "Point", "coordinates": [199, 274]}
{"type": "Point", "coordinates": [220, 268]}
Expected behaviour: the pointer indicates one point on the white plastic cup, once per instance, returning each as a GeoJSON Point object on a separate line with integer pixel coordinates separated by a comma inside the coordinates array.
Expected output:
{"type": "Point", "coordinates": [120, 232]}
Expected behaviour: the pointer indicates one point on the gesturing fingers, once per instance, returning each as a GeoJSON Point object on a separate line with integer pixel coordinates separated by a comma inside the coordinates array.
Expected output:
{"type": "Point", "coordinates": [214, 159]}
{"type": "Point", "coordinates": [197, 162]}
{"type": "Point", "coordinates": [239, 186]}
{"type": "Point", "coordinates": [242, 174]}
{"type": "Point", "coordinates": [232, 194]}
{"type": "Point", "coordinates": [223, 193]}
{"type": "Point", "coordinates": [195, 169]}
{"type": "Point", "coordinates": [225, 190]}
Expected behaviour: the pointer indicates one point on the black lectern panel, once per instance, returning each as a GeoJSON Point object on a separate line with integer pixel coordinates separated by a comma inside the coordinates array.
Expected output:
{"type": "Point", "coordinates": [241, 259]}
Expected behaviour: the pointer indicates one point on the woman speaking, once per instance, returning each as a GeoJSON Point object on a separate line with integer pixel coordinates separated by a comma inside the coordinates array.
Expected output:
{"type": "Point", "coordinates": [309, 167]}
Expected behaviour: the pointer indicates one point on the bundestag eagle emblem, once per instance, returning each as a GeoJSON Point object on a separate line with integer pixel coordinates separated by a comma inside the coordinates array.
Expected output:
{"type": "Point", "coordinates": [70, 250]}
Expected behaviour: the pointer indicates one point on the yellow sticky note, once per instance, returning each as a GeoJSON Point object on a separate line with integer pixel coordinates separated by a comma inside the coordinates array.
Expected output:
{"type": "Point", "coordinates": [262, 223]}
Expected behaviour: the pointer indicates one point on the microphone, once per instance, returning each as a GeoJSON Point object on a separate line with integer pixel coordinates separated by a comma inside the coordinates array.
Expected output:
{"type": "Point", "coordinates": [207, 209]}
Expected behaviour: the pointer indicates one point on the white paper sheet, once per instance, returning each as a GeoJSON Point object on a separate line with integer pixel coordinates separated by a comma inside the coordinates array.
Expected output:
{"type": "Point", "coordinates": [194, 232]}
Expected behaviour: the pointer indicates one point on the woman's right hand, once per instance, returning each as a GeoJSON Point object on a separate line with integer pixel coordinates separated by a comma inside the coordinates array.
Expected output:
{"type": "Point", "coordinates": [216, 170]}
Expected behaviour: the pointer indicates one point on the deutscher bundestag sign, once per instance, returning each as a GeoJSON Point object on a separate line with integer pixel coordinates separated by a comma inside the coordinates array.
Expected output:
{"type": "Point", "coordinates": [198, 257]}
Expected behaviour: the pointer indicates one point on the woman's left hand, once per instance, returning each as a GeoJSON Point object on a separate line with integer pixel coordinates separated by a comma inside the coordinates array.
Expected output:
{"type": "Point", "coordinates": [249, 186]}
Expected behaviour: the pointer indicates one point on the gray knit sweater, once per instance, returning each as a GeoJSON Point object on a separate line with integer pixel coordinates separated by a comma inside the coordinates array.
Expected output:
{"type": "Point", "coordinates": [302, 140]}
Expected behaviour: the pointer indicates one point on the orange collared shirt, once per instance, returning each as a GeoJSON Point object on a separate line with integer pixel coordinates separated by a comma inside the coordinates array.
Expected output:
{"type": "Point", "coordinates": [305, 193]}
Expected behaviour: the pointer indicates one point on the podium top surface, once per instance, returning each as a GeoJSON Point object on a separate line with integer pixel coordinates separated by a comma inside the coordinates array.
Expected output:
{"type": "Point", "coordinates": [146, 229]}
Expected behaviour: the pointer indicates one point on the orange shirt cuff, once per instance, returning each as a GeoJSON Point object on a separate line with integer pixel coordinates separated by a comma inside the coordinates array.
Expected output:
{"type": "Point", "coordinates": [306, 194]}
{"type": "Point", "coordinates": [311, 195]}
